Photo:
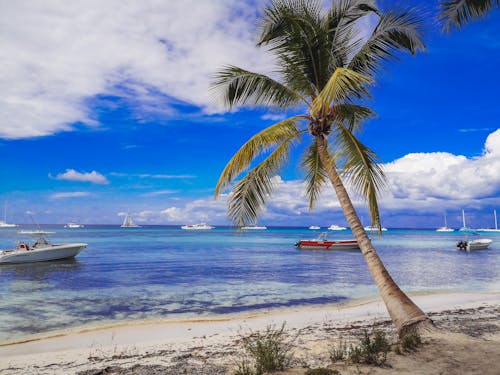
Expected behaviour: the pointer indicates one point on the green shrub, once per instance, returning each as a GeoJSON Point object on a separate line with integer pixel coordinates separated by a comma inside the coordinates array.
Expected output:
{"type": "Point", "coordinates": [371, 351]}
{"type": "Point", "coordinates": [411, 341]}
{"type": "Point", "coordinates": [269, 351]}
{"type": "Point", "coordinates": [322, 371]}
{"type": "Point", "coordinates": [339, 352]}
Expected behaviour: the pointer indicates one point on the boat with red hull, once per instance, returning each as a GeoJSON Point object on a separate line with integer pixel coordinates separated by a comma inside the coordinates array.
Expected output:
{"type": "Point", "coordinates": [322, 243]}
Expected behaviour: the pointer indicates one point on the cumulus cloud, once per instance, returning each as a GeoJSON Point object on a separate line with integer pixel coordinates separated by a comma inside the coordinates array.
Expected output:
{"type": "Point", "coordinates": [72, 175]}
{"type": "Point", "coordinates": [73, 194]}
{"type": "Point", "coordinates": [58, 56]}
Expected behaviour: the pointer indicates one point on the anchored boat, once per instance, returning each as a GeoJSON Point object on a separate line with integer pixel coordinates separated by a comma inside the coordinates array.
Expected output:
{"type": "Point", "coordinates": [39, 249]}
{"type": "Point", "coordinates": [322, 243]}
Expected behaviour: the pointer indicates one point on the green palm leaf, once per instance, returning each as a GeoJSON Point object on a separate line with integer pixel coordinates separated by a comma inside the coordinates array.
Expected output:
{"type": "Point", "coordinates": [316, 175]}
{"type": "Point", "coordinates": [461, 12]}
{"type": "Point", "coordinates": [342, 85]}
{"type": "Point", "coordinates": [352, 114]}
{"type": "Point", "coordinates": [396, 31]}
{"type": "Point", "coordinates": [274, 135]}
{"type": "Point", "coordinates": [238, 86]}
{"type": "Point", "coordinates": [361, 169]}
{"type": "Point", "coordinates": [251, 193]}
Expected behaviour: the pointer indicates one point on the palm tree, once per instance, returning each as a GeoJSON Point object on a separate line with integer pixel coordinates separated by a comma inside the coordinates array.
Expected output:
{"type": "Point", "coordinates": [460, 12]}
{"type": "Point", "coordinates": [324, 68]}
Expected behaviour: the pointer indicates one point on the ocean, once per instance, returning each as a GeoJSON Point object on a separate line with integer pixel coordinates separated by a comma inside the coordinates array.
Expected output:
{"type": "Point", "coordinates": [165, 272]}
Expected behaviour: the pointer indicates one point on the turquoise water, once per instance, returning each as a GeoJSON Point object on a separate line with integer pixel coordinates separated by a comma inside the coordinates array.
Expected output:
{"type": "Point", "coordinates": [166, 272]}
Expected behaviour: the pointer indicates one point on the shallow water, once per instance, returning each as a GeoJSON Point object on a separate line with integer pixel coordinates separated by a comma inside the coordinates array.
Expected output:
{"type": "Point", "coordinates": [165, 272]}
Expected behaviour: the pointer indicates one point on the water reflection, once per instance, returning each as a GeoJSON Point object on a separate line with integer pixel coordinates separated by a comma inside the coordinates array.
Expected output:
{"type": "Point", "coordinates": [39, 271]}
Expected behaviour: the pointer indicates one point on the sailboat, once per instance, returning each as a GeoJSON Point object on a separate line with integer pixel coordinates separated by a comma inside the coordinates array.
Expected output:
{"type": "Point", "coordinates": [445, 228]}
{"type": "Point", "coordinates": [491, 229]}
{"type": "Point", "coordinates": [128, 222]}
{"type": "Point", "coordinates": [3, 223]}
{"type": "Point", "coordinates": [464, 226]}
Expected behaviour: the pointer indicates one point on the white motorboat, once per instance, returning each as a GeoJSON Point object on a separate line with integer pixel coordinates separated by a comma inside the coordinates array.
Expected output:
{"type": "Point", "coordinates": [3, 223]}
{"type": "Point", "coordinates": [200, 226]}
{"type": "Point", "coordinates": [371, 228]}
{"type": "Point", "coordinates": [128, 222]}
{"type": "Point", "coordinates": [491, 229]}
{"type": "Point", "coordinates": [314, 227]}
{"type": "Point", "coordinates": [336, 227]}
{"type": "Point", "coordinates": [471, 245]}
{"type": "Point", "coordinates": [254, 227]}
{"type": "Point", "coordinates": [74, 225]}
{"type": "Point", "coordinates": [40, 250]}
{"type": "Point", "coordinates": [322, 243]}
{"type": "Point", "coordinates": [445, 228]}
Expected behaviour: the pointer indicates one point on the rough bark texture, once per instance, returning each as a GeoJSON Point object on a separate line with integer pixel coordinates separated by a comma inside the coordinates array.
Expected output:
{"type": "Point", "coordinates": [407, 316]}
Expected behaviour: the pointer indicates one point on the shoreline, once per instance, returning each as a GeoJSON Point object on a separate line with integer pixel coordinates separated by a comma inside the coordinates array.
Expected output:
{"type": "Point", "coordinates": [159, 342]}
{"type": "Point", "coordinates": [96, 328]}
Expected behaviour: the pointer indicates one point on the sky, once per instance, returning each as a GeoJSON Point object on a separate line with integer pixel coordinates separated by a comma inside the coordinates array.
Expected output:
{"type": "Point", "coordinates": [106, 107]}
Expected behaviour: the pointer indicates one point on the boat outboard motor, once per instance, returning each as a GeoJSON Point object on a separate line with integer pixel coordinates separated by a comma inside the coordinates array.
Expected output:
{"type": "Point", "coordinates": [462, 245]}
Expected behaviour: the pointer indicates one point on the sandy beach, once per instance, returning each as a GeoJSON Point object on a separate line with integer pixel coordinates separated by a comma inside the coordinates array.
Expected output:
{"type": "Point", "coordinates": [467, 340]}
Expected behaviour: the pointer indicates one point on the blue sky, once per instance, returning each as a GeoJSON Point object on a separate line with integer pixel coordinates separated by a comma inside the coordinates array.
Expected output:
{"type": "Point", "coordinates": [101, 115]}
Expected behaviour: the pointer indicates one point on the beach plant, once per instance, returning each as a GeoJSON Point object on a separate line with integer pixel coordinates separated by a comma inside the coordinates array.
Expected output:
{"type": "Point", "coordinates": [324, 68]}
{"type": "Point", "coordinates": [371, 351]}
{"type": "Point", "coordinates": [458, 13]}
{"type": "Point", "coordinates": [322, 371]}
{"type": "Point", "coordinates": [269, 351]}
{"type": "Point", "coordinates": [339, 352]}
{"type": "Point", "coordinates": [410, 341]}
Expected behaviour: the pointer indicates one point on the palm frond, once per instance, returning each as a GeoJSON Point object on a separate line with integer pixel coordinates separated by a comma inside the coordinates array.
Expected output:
{"type": "Point", "coordinates": [396, 31]}
{"type": "Point", "coordinates": [316, 175]}
{"type": "Point", "coordinates": [361, 169]}
{"type": "Point", "coordinates": [457, 13]}
{"type": "Point", "coordinates": [251, 193]}
{"type": "Point", "coordinates": [352, 114]}
{"type": "Point", "coordinates": [239, 86]}
{"type": "Point", "coordinates": [343, 85]}
{"type": "Point", "coordinates": [274, 135]}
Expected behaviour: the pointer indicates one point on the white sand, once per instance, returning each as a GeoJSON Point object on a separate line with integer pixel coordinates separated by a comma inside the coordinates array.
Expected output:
{"type": "Point", "coordinates": [73, 349]}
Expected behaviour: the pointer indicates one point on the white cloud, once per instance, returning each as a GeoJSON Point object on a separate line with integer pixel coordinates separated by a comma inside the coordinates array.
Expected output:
{"type": "Point", "coordinates": [156, 176]}
{"type": "Point", "coordinates": [72, 175]}
{"type": "Point", "coordinates": [160, 192]}
{"type": "Point", "coordinates": [73, 194]}
{"type": "Point", "coordinates": [57, 55]}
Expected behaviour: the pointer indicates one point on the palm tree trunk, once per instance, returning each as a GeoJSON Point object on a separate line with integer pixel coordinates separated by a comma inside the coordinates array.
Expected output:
{"type": "Point", "coordinates": [404, 313]}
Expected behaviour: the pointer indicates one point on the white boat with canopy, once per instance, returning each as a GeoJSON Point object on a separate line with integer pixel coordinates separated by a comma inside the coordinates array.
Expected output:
{"type": "Point", "coordinates": [39, 249]}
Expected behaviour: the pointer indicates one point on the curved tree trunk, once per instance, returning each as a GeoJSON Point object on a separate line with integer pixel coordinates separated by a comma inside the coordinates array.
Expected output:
{"type": "Point", "coordinates": [404, 313]}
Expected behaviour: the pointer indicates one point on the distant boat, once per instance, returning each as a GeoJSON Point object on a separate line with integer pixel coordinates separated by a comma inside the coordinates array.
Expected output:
{"type": "Point", "coordinates": [471, 245]}
{"type": "Point", "coordinates": [40, 250]}
{"type": "Point", "coordinates": [371, 228]}
{"type": "Point", "coordinates": [74, 225]}
{"type": "Point", "coordinates": [254, 227]}
{"type": "Point", "coordinates": [314, 227]}
{"type": "Point", "coordinates": [201, 226]}
{"type": "Point", "coordinates": [491, 229]}
{"type": "Point", "coordinates": [464, 226]}
{"type": "Point", "coordinates": [322, 243]}
{"type": "Point", "coordinates": [128, 222]}
{"type": "Point", "coordinates": [3, 223]}
{"type": "Point", "coordinates": [445, 228]}
{"type": "Point", "coordinates": [336, 227]}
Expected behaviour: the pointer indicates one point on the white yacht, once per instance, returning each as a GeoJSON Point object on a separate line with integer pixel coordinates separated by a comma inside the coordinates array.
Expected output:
{"type": "Point", "coordinates": [254, 227]}
{"type": "Point", "coordinates": [201, 226]}
{"type": "Point", "coordinates": [128, 222]}
{"type": "Point", "coordinates": [314, 227]}
{"type": "Point", "coordinates": [39, 249]}
{"type": "Point", "coordinates": [445, 228]}
{"type": "Point", "coordinates": [371, 228]}
{"type": "Point", "coordinates": [491, 229]}
{"type": "Point", "coordinates": [3, 223]}
{"type": "Point", "coordinates": [336, 227]}
{"type": "Point", "coordinates": [74, 225]}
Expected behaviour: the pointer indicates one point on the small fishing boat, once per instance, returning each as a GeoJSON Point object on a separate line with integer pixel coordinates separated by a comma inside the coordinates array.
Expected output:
{"type": "Point", "coordinates": [39, 249]}
{"type": "Point", "coordinates": [201, 226]}
{"type": "Point", "coordinates": [322, 243]}
{"type": "Point", "coordinates": [471, 245]}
